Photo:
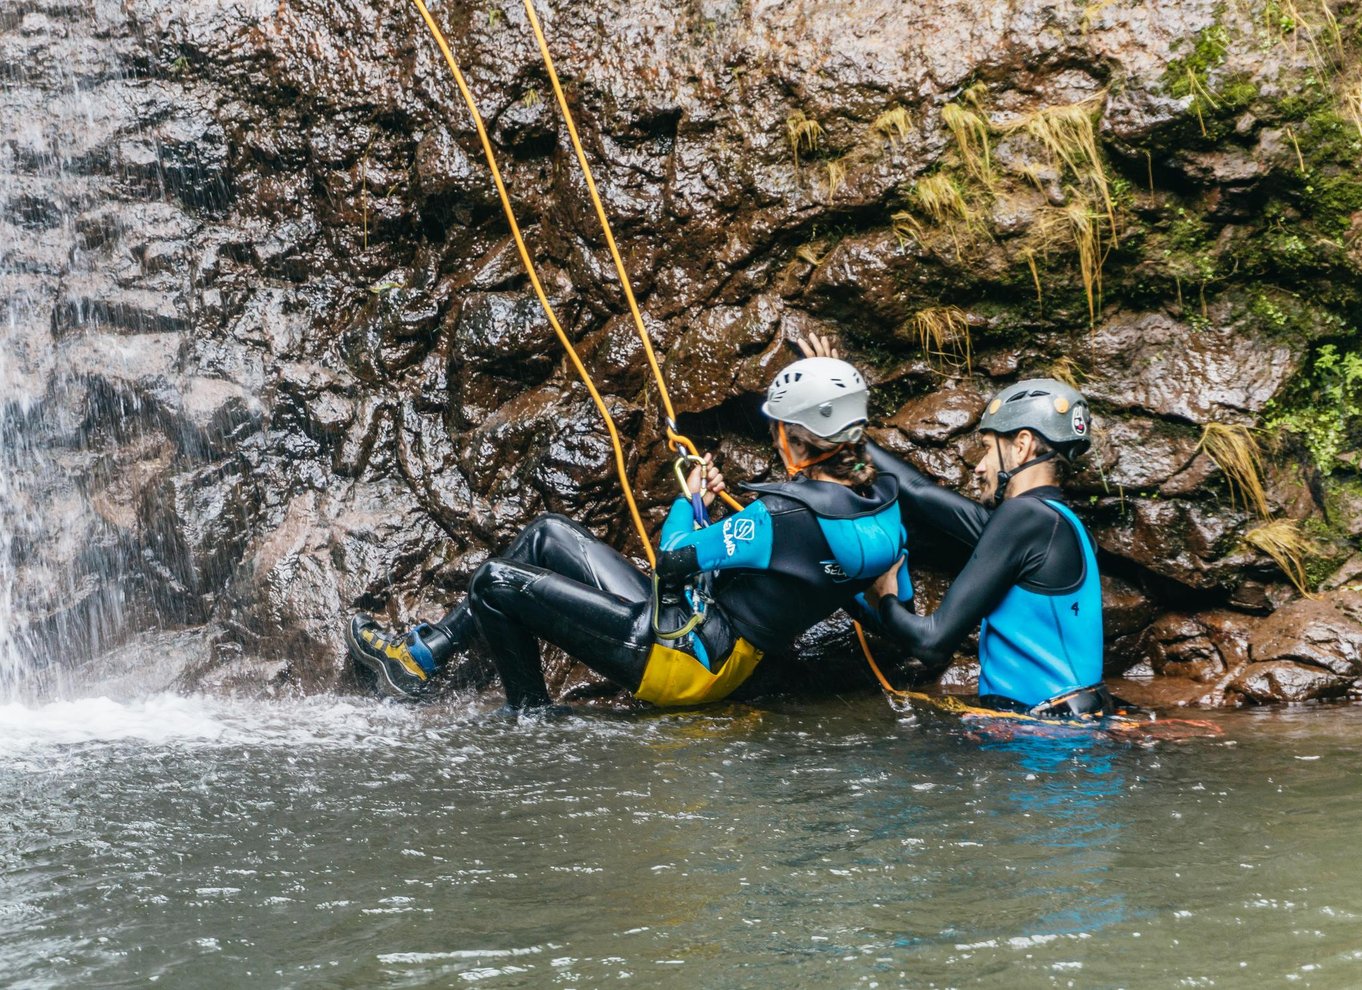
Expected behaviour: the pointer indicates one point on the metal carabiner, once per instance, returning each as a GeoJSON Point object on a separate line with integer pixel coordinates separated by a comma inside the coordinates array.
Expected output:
{"type": "Point", "coordinates": [696, 499]}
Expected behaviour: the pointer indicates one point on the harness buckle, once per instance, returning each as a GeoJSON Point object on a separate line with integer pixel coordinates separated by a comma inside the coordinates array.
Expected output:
{"type": "Point", "coordinates": [697, 595]}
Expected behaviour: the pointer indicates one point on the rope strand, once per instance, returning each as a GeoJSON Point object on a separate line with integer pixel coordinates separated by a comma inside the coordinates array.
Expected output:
{"type": "Point", "coordinates": [620, 466]}
{"type": "Point", "coordinates": [677, 440]}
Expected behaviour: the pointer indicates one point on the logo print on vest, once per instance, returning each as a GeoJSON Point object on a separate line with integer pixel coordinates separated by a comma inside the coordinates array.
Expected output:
{"type": "Point", "coordinates": [834, 570]}
{"type": "Point", "coordinates": [737, 529]}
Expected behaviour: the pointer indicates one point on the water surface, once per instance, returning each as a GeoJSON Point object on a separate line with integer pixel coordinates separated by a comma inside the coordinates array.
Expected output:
{"type": "Point", "coordinates": [345, 843]}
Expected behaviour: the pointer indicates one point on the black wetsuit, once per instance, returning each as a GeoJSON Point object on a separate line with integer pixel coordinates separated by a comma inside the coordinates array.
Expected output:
{"type": "Point", "coordinates": [798, 553]}
{"type": "Point", "coordinates": [1032, 584]}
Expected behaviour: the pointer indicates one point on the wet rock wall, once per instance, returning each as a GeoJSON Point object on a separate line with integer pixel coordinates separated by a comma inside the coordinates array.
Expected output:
{"type": "Point", "coordinates": [292, 362]}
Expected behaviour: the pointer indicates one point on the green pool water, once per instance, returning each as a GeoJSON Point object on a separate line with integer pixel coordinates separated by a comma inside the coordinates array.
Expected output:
{"type": "Point", "coordinates": [193, 842]}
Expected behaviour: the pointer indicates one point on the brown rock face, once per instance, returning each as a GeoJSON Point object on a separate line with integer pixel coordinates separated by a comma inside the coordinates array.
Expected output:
{"type": "Point", "coordinates": [1144, 363]}
{"type": "Point", "coordinates": [272, 358]}
{"type": "Point", "coordinates": [1283, 681]}
{"type": "Point", "coordinates": [1317, 632]}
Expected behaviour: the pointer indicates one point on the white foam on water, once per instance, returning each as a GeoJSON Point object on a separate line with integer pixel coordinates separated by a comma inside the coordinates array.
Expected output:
{"type": "Point", "coordinates": [176, 720]}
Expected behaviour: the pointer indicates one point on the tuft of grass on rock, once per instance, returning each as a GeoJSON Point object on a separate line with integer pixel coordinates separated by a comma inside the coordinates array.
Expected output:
{"type": "Point", "coordinates": [836, 176]}
{"type": "Point", "coordinates": [1236, 451]}
{"type": "Point", "coordinates": [1068, 371]}
{"type": "Point", "coordinates": [893, 125]}
{"type": "Point", "coordinates": [804, 134]}
{"type": "Point", "coordinates": [1283, 541]}
{"type": "Point", "coordinates": [1068, 133]}
{"type": "Point", "coordinates": [943, 334]}
{"type": "Point", "coordinates": [970, 129]}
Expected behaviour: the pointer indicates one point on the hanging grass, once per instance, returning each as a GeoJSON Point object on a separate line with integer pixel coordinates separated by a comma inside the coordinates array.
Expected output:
{"type": "Point", "coordinates": [971, 132]}
{"type": "Point", "coordinates": [974, 95]}
{"type": "Point", "coordinates": [1201, 98]}
{"type": "Point", "coordinates": [836, 177]}
{"type": "Point", "coordinates": [812, 252]}
{"type": "Point", "coordinates": [1283, 541]}
{"type": "Point", "coordinates": [893, 125]}
{"type": "Point", "coordinates": [1088, 240]}
{"type": "Point", "coordinates": [1235, 450]}
{"type": "Point", "coordinates": [943, 334]}
{"type": "Point", "coordinates": [1029, 256]}
{"type": "Point", "coordinates": [1034, 174]}
{"type": "Point", "coordinates": [1077, 226]}
{"type": "Point", "coordinates": [1068, 371]}
{"type": "Point", "coordinates": [905, 225]}
{"type": "Point", "coordinates": [942, 199]}
{"type": "Point", "coordinates": [804, 134]}
{"type": "Point", "coordinates": [1352, 103]}
{"type": "Point", "coordinates": [1068, 134]}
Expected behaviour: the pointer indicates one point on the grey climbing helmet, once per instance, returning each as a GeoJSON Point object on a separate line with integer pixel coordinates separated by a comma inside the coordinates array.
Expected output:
{"type": "Point", "coordinates": [826, 396]}
{"type": "Point", "coordinates": [1045, 406]}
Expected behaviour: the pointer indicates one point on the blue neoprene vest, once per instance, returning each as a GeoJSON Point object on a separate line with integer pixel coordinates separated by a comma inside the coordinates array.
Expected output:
{"type": "Point", "coordinates": [1034, 647]}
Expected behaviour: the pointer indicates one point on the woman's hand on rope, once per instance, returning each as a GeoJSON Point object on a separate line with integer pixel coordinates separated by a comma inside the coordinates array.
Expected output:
{"type": "Point", "coordinates": [706, 477]}
{"type": "Point", "coordinates": [816, 346]}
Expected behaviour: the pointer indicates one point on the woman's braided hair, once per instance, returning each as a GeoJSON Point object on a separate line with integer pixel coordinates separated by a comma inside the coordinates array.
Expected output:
{"type": "Point", "coordinates": [851, 464]}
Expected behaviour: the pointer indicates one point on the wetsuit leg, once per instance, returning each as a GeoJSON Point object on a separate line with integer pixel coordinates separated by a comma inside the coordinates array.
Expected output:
{"type": "Point", "coordinates": [558, 544]}
{"type": "Point", "coordinates": [558, 582]}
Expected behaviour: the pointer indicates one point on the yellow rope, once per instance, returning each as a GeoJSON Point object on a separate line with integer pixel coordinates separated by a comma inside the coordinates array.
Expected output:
{"type": "Point", "coordinates": [526, 260]}
{"type": "Point", "coordinates": [677, 440]}
{"type": "Point", "coordinates": [945, 703]}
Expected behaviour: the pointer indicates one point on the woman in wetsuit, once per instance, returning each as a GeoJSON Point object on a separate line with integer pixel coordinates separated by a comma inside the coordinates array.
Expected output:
{"type": "Point", "coordinates": [803, 549]}
{"type": "Point", "coordinates": [1031, 585]}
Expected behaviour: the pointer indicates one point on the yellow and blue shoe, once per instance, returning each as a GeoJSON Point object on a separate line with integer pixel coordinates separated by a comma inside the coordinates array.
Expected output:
{"type": "Point", "coordinates": [402, 663]}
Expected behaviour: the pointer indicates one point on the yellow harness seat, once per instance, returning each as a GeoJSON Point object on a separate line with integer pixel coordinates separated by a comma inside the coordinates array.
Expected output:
{"type": "Point", "coordinates": [675, 679]}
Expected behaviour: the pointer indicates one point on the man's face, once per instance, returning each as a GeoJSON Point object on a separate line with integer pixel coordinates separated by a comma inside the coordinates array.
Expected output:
{"type": "Point", "coordinates": [1000, 454]}
{"type": "Point", "coordinates": [986, 468]}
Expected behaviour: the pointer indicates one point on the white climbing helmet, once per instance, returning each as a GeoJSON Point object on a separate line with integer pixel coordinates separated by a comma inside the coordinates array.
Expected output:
{"type": "Point", "coordinates": [827, 397]}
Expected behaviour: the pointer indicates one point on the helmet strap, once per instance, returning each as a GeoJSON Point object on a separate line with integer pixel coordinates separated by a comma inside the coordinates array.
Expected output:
{"type": "Point", "coordinates": [1005, 476]}
{"type": "Point", "coordinates": [793, 466]}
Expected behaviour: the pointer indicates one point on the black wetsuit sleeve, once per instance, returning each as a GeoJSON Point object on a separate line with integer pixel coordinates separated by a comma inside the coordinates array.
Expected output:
{"type": "Point", "coordinates": [924, 502]}
{"type": "Point", "coordinates": [1013, 545]}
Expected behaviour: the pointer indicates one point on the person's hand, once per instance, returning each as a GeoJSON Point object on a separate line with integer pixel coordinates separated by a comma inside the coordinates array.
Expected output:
{"type": "Point", "coordinates": [886, 584]}
{"type": "Point", "coordinates": [816, 346]}
{"type": "Point", "coordinates": [705, 477]}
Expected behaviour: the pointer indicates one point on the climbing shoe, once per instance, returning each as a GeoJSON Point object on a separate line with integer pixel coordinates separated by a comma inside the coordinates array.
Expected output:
{"type": "Point", "coordinates": [401, 662]}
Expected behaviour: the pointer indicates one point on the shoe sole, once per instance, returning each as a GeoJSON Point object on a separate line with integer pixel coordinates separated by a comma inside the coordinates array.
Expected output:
{"type": "Point", "coordinates": [379, 669]}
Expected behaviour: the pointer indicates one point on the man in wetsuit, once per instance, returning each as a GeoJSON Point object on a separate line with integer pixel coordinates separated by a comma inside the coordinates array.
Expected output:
{"type": "Point", "coordinates": [1031, 585]}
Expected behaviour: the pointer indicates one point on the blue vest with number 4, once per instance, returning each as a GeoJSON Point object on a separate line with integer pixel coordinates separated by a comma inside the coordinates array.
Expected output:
{"type": "Point", "coordinates": [1036, 646]}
